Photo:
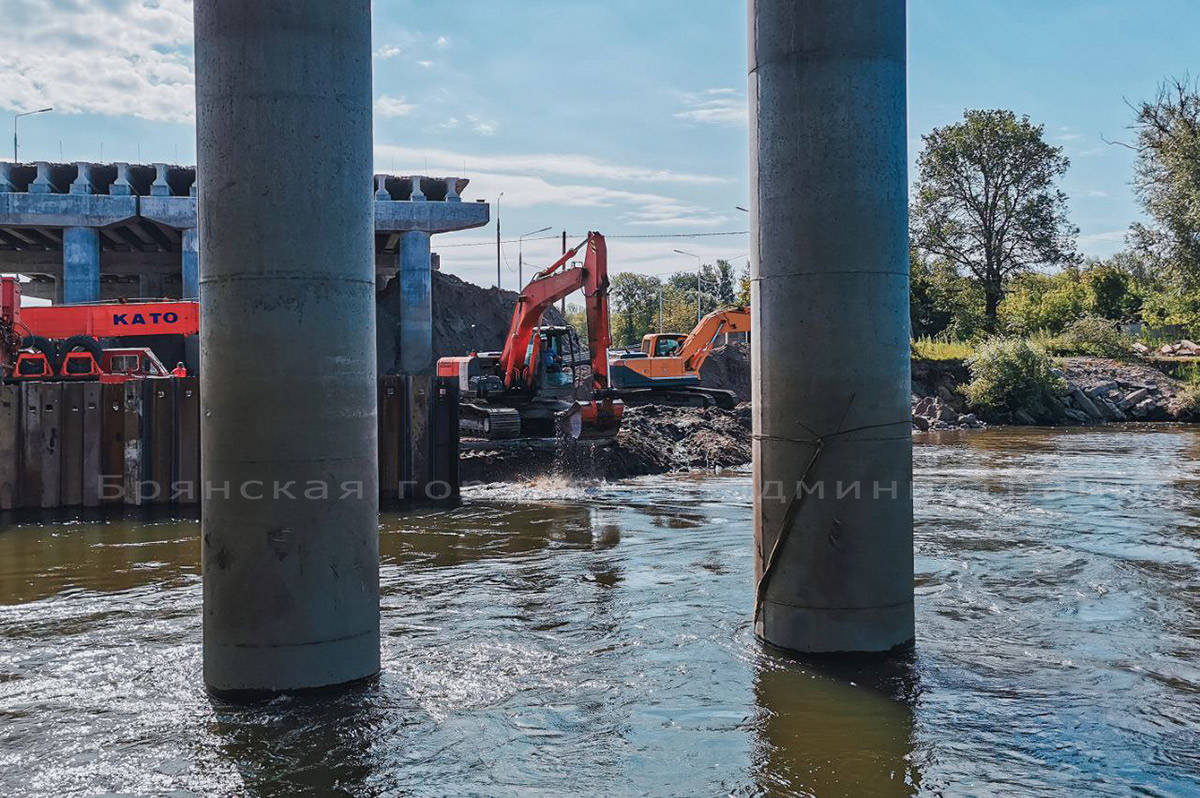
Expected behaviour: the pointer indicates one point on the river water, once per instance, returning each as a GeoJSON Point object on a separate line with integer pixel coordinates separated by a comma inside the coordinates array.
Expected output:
{"type": "Point", "coordinates": [574, 640]}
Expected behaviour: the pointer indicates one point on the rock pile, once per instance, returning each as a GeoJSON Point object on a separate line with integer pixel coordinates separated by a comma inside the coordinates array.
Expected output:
{"type": "Point", "coordinates": [1108, 390]}
{"type": "Point", "coordinates": [1184, 348]}
{"type": "Point", "coordinates": [936, 413]}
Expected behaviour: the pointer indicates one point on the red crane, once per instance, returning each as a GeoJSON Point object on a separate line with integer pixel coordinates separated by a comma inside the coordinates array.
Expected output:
{"type": "Point", "coordinates": [56, 342]}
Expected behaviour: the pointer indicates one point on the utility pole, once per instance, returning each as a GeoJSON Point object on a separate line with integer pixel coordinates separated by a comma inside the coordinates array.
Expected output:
{"type": "Point", "coordinates": [18, 116]}
{"type": "Point", "coordinates": [498, 240]}
{"type": "Point", "coordinates": [660, 307]}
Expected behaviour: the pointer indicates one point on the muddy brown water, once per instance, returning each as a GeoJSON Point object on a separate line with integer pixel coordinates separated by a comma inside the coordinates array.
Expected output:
{"type": "Point", "coordinates": [559, 639]}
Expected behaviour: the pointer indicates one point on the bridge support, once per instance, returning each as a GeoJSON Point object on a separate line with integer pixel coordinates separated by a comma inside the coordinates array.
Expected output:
{"type": "Point", "coordinates": [81, 265]}
{"type": "Point", "coordinates": [191, 263]}
{"type": "Point", "coordinates": [416, 303]}
{"type": "Point", "coordinates": [830, 349]}
{"type": "Point", "coordinates": [289, 453]}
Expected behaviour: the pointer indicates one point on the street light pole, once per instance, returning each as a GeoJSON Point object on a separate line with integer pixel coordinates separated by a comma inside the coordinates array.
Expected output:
{"type": "Point", "coordinates": [498, 240]}
{"type": "Point", "coordinates": [698, 267]}
{"type": "Point", "coordinates": [521, 256]}
{"type": "Point", "coordinates": [660, 308]}
{"type": "Point", "coordinates": [18, 116]}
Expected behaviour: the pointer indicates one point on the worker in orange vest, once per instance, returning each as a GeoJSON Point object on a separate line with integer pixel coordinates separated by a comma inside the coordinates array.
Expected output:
{"type": "Point", "coordinates": [180, 370]}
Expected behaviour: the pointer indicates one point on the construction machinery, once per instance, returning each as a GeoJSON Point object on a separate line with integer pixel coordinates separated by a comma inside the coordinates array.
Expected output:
{"type": "Point", "coordinates": [64, 342]}
{"type": "Point", "coordinates": [666, 370]}
{"type": "Point", "coordinates": [529, 389]}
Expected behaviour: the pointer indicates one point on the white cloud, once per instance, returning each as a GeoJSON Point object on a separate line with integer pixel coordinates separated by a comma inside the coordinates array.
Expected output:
{"type": "Point", "coordinates": [388, 51]}
{"type": "Point", "coordinates": [484, 127]}
{"type": "Point", "coordinates": [559, 164]}
{"type": "Point", "coordinates": [425, 64]}
{"type": "Point", "coordinates": [1098, 193]}
{"type": "Point", "coordinates": [119, 57]}
{"type": "Point", "coordinates": [451, 122]}
{"type": "Point", "coordinates": [634, 208]}
{"type": "Point", "coordinates": [442, 43]}
{"type": "Point", "coordinates": [714, 107]}
{"type": "Point", "coordinates": [393, 106]}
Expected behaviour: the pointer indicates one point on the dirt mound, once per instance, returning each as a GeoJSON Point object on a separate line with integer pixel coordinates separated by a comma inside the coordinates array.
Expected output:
{"type": "Point", "coordinates": [465, 318]}
{"type": "Point", "coordinates": [653, 440]}
{"type": "Point", "coordinates": [728, 367]}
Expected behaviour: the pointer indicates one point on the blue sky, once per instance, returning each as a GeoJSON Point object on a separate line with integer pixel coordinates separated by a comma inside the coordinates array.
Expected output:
{"type": "Point", "coordinates": [621, 116]}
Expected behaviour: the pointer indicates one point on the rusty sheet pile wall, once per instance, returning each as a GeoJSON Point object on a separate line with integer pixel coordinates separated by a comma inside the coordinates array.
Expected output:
{"type": "Point", "coordinates": [86, 444]}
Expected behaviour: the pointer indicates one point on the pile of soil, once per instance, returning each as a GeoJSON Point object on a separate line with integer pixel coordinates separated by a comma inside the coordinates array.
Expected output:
{"type": "Point", "coordinates": [653, 440]}
{"type": "Point", "coordinates": [466, 318]}
{"type": "Point", "coordinates": [728, 367]}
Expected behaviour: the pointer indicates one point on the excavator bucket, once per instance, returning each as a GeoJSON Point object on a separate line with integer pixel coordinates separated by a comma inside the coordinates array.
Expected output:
{"type": "Point", "coordinates": [599, 420]}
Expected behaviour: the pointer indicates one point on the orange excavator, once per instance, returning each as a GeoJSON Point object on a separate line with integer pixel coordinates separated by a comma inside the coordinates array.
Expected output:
{"type": "Point", "coordinates": [529, 389]}
{"type": "Point", "coordinates": [62, 342]}
{"type": "Point", "coordinates": [666, 370]}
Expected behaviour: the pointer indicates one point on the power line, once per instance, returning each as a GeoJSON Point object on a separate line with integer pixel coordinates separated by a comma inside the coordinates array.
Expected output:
{"type": "Point", "coordinates": [646, 236]}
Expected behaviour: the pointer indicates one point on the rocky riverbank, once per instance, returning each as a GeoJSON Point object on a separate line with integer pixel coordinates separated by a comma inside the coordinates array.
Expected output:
{"type": "Point", "coordinates": [1097, 391]}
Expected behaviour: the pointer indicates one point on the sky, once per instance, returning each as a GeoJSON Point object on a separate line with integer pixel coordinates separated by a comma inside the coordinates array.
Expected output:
{"type": "Point", "coordinates": [623, 116]}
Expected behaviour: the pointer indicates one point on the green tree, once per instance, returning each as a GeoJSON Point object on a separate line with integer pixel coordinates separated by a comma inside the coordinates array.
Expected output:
{"type": "Point", "coordinates": [743, 294]}
{"type": "Point", "coordinates": [1167, 180]}
{"type": "Point", "coordinates": [941, 301]}
{"type": "Point", "coordinates": [987, 200]}
{"type": "Point", "coordinates": [634, 306]}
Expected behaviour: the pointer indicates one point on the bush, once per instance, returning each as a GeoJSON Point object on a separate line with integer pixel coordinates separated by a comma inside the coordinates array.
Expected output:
{"type": "Point", "coordinates": [1091, 336]}
{"type": "Point", "coordinates": [1010, 375]}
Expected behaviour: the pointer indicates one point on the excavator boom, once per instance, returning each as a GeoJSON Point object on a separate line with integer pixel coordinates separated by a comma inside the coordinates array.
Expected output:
{"type": "Point", "coordinates": [518, 360]}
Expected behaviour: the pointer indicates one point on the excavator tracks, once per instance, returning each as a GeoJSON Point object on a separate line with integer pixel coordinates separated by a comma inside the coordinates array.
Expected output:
{"type": "Point", "coordinates": [489, 421]}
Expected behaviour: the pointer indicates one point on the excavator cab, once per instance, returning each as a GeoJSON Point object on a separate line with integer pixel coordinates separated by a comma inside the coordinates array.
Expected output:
{"type": "Point", "coordinates": [662, 344]}
{"type": "Point", "coordinates": [555, 366]}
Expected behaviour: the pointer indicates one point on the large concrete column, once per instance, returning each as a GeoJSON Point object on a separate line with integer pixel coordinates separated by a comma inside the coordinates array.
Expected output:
{"type": "Point", "coordinates": [289, 462]}
{"type": "Point", "coordinates": [830, 348]}
{"type": "Point", "coordinates": [416, 303]}
{"type": "Point", "coordinates": [81, 265]}
{"type": "Point", "coordinates": [191, 263]}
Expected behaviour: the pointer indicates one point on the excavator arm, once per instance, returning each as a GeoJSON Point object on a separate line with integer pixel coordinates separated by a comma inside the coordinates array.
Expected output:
{"type": "Point", "coordinates": [699, 344]}
{"type": "Point", "coordinates": [547, 287]}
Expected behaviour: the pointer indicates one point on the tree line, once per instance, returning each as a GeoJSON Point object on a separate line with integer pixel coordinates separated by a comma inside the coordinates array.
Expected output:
{"type": "Point", "coordinates": [993, 248]}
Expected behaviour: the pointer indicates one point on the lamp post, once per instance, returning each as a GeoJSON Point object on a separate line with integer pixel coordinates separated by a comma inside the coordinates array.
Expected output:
{"type": "Point", "coordinates": [521, 257]}
{"type": "Point", "coordinates": [498, 240]}
{"type": "Point", "coordinates": [18, 116]}
{"type": "Point", "coordinates": [699, 264]}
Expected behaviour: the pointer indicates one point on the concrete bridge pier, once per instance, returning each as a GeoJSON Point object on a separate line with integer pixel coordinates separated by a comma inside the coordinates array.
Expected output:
{"type": "Point", "coordinates": [81, 265]}
{"type": "Point", "coordinates": [830, 349]}
{"type": "Point", "coordinates": [416, 303]}
{"type": "Point", "coordinates": [289, 454]}
{"type": "Point", "coordinates": [190, 246]}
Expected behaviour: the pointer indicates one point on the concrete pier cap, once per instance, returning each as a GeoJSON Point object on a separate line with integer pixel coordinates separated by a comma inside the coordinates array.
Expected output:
{"type": "Point", "coordinates": [830, 349]}
{"type": "Point", "coordinates": [288, 383]}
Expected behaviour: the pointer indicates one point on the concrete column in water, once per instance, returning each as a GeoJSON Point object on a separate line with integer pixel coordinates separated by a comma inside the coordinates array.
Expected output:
{"type": "Point", "coordinates": [290, 513]}
{"type": "Point", "coordinates": [81, 265]}
{"type": "Point", "coordinates": [191, 263]}
{"type": "Point", "coordinates": [830, 349]}
{"type": "Point", "coordinates": [416, 303]}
